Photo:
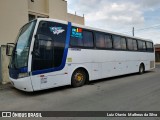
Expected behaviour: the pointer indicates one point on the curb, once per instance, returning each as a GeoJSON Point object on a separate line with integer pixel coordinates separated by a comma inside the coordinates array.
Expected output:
{"type": "Point", "coordinates": [5, 86]}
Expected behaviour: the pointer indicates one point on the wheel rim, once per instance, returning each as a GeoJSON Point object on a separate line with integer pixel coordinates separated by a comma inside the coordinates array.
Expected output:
{"type": "Point", "coordinates": [79, 77]}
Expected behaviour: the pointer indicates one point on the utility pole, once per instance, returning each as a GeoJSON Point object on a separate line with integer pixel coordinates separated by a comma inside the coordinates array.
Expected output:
{"type": "Point", "coordinates": [133, 31]}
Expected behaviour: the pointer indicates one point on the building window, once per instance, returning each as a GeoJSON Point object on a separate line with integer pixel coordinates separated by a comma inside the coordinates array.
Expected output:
{"type": "Point", "coordinates": [31, 17]}
{"type": "Point", "coordinates": [34, 16]}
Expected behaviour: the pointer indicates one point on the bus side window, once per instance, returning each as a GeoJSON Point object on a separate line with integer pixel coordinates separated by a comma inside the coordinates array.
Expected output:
{"type": "Point", "coordinates": [51, 39]}
{"type": "Point", "coordinates": [81, 38]}
{"type": "Point", "coordinates": [135, 46]}
{"type": "Point", "coordinates": [76, 42]}
{"type": "Point", "coordinates": [108, 42]}
{"type": "Point", "coordinates": [130, 44]}
{"type": "Point", "coordinates": [76, 38]}
{"type": "Point", "coordinates": [141, 45]}
{"type": "Point", "coordinates": [43, 53]}
{"type": "Point", "coordinates": [123, 43]}
{"type": "Point", "coordinates": [100, 40]}
{"type": "Point", "coordinates": [87, 38]}
{"type": "Point", "coordinates": [149, 46]}
{"type": "Point", "coordinates": [116, 42]}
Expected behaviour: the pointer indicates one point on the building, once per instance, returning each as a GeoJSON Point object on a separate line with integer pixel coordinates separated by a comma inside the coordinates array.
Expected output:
{"type": "Point", "coordinates": [157, 51]}
{"type": "Point", "coordinates": [15, 13]}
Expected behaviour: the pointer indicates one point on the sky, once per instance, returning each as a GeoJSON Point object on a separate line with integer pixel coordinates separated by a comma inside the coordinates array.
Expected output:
{"type": "Point", "coordinates": [121, 16]}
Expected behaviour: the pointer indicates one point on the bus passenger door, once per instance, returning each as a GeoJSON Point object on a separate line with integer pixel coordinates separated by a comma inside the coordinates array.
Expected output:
{"type": "Point", "coordinates": [48, 67]}
{"type": "Point", "coordinates": [42, 61]}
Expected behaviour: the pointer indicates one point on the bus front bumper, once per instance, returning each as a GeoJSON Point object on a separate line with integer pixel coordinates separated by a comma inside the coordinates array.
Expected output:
{"type": "Point", "coordinates": [23, 84]}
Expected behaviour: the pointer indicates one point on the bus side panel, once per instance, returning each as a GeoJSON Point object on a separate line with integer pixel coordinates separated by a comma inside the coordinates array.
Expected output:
{"type": "Point", "coordinates": [51, 80]}
{"type": "Point", "coordinates": [84, 58]}
{"type": "Point", "coordinates": [109, 63]}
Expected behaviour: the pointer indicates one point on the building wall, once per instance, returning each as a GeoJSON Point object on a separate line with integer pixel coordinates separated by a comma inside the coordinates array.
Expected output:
{"type": "Point", "coordinates": [5, 63]}
{"type": "Point", "coordinates": [157, 54]}
{"type": "Point", "coordinates": [0, 67]}
{"type": "Point", "coordinates": [58, 9]}
{"type": "Point", "coordinates": [39, 6]}
{"type": "Point", "coordinates": [75, 19]}
{"type": "Point", "coordinates": [12, 17]}
{"type": "Point", "coordinates": [14, 14]}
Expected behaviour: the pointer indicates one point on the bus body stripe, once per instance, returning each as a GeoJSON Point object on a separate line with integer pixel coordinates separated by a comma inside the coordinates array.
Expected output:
{"type": "Point", "coordinates": [64, 55]}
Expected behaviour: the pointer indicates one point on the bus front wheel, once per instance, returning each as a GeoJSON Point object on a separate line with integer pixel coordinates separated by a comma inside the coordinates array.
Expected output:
{"type": "Point", "coordinates": [141, 69]}
{"type": "Point", "coordinates": [78, 78]}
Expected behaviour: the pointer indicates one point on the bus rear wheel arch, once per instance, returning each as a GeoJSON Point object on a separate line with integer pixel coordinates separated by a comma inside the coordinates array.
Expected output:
{"type": "Point", "coordinates": [79, 77]}
{"type": "Point", "coordinates": [141, 68]}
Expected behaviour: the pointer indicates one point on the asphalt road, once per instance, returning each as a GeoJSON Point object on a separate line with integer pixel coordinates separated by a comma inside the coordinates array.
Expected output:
{"type": "Point", "coordinates": [125, 93]}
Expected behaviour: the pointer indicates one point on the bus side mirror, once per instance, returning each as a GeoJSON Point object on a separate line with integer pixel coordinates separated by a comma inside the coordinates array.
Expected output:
{"type": "Point", "coordinates": [9, 48]}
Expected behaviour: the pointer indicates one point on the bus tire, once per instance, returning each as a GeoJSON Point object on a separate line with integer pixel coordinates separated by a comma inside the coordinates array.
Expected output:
{"type": "Point", "coordinates": [141, 69]}
{"type": "Point", "coordinates": [78, 78]}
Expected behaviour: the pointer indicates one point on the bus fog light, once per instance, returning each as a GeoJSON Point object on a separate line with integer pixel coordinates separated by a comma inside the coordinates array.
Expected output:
{"type": "Point", "coordinates": [21, 75]}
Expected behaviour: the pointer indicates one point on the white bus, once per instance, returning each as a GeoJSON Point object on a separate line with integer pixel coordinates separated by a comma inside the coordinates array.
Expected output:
{"type": "Point", "coordinates": [50, 53]}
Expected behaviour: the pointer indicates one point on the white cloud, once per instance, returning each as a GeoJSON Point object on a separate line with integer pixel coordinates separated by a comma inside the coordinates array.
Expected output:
{"type": "Point", "coordinates": [113, 12]}
{"type": "Point", "coordinates": [118, 15]}
{"type": "Point", "coordinates": [152, 34]}
{"type": "Point", "coordinates": [149, 3]}
{"type": "Point", "coordinates": [109, 12]}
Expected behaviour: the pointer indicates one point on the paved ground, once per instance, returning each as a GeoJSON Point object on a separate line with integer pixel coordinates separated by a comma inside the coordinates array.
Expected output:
{"type": "Point", "coordinates": [126, 93]}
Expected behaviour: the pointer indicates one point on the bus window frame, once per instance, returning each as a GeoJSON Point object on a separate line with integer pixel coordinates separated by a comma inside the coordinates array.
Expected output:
{"type": "Point", "coordinates": [83, 47]}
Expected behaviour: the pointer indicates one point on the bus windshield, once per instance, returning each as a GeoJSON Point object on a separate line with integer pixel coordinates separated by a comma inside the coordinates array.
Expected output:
{"type": "Point", "coordinates": [21, 50]}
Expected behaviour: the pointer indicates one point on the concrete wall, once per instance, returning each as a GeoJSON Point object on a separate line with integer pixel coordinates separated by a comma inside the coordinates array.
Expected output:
{"type": "Point", "coordinates": [39, 6]}
{"type": "Point", "coordinates": [12, 17]}
{"type": "Point", "coordinates": [5, 59]}
{"type": "Point", "coordinates": [75, 19]}
{"type": "Point", "coordinates": [0, 67]}
{"type": "Point", "coordinates": [58, 9]}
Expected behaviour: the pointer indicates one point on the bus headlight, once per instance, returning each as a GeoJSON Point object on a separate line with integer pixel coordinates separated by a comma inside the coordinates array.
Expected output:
{"type": "Point", "coordinates": [22, 75]}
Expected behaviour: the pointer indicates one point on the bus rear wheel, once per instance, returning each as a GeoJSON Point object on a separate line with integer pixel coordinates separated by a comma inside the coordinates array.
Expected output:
{"type": "Point", "coordinates": [141, 69]}
{"type": "Point", "coordinates": [78, 78]}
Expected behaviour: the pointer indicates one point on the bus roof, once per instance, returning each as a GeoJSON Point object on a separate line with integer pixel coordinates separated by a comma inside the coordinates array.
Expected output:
{"type": "Point", "coordinates": [91, 28]}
